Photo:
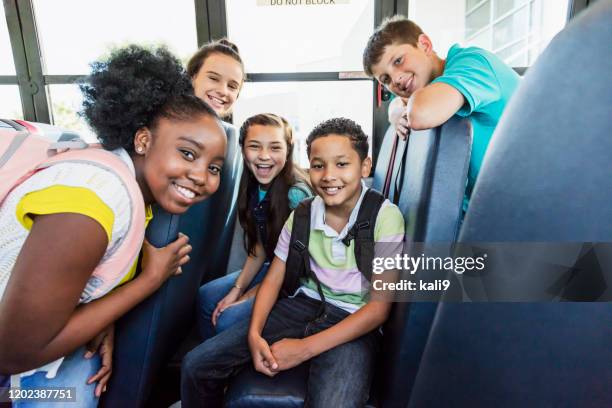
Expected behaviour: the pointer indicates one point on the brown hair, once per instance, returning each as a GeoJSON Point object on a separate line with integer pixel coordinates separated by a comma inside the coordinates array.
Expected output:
{"type": "Point", "coordinates": [279, 210]}
{"type": "Point", "coordinates": [396, 29]}
{"type": "Point", "coordinates": [222, 46]}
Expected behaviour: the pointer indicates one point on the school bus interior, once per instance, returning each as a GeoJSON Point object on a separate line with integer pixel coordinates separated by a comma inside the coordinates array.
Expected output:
{"type": "Point", "coordinates": [546, 177]}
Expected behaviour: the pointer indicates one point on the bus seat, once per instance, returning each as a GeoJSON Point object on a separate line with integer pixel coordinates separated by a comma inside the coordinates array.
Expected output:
{"type": "Point", "coordinates": [431, 197]}
{"type": "Point", "coordinates": [383, 159]}
{"type": "Point", "coordinates": [545, 178]}
{"type": "Point", "coordinates": [435, 167]}
{"type": "Point", "coordinates": [147, 336]}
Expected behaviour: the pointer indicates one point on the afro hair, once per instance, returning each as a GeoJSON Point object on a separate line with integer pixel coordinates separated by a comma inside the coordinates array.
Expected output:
{"type": "Point", "coordinates": [133, 88]}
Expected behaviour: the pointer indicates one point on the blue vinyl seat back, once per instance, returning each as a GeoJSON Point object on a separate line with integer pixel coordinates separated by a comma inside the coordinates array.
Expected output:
{"type": "Point", "coordinates": [147, 336]}
{"type": "Point", "coordinates": [435, 175]}
{"type": "Point", "coordinates": [382, 162]}
{"type": "Point", "coordinates": [435, 168]}
{"type": "Point", "coordinates": [546, 177]}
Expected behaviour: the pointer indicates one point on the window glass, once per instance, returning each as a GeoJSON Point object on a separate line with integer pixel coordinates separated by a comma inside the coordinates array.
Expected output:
{"type": "Point", "coordinates": [501, 7]}
{"type": "Point", "coordinates": [6, 54]}
{"type": "Point", "coordinates": [482, 40]}
{"type": "Point", "coordinates": [66, 102]}
{"type": "Point", "coordinates": [306, 104]}
{"type": "Point", "coordinates": [477, 19]}
{"type": "Point", "coordinates": [297, 37]}
{"type": "Point", "coordinates": [10, 103]}
{"type": "Point", "coordinates": [511, 28]}
{"type": "Point", "coordinates": [526, 26]}
{"type": "Point", "coordinates": [470, 4]}
{"type": "Point", "coordinates": [89, 29]}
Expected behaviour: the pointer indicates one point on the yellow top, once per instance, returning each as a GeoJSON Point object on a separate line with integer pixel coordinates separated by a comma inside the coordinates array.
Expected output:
{"type": "Point", "coordinates": [67, 199]}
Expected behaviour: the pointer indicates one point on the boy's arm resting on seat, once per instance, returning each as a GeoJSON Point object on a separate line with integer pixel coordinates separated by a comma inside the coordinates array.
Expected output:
{"type": "Point", "coordinates": [289, 353]}
{"type": "Point", "coordinates": [39, 317]}
{"type": "Point", "coordinates": [433, 105]}
{"type": "Point", "coordinates": [397, 116]}
{"type": "Point", "coordinates": [263, 360]}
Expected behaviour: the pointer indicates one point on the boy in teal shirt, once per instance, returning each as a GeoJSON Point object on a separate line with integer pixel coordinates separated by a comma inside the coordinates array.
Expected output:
{"type": "Point", "coordinates": [471, 82]}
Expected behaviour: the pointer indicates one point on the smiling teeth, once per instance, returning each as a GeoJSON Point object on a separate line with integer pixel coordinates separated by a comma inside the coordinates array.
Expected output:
{"type": "Point", "coordinates": [216, 99]}
{"type": "Point", "coordinates": [331, 189]}
{"type": "Point", "coordinates": [185, 192]}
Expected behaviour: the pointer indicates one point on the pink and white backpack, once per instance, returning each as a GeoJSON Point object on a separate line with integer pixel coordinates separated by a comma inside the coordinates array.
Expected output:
{"type": "Point", "coordinates": [25, 152]}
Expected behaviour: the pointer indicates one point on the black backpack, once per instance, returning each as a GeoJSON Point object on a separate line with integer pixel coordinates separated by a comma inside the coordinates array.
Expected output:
{"type": "Point", "coordinates": [298, 260]}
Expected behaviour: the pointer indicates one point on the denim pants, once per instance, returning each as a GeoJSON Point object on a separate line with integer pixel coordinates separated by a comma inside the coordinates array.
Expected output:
{"type": "Point", "coordinates": [338, 378]}
{"type": "Point", "coordinates": [74, 372]}
{"type": "Point", "coordinates": [212, 292]}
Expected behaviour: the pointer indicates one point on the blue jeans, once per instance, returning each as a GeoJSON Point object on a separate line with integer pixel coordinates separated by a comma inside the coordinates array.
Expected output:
{"type": "Point", "coordinates": [340, 377]}
{"type": "Point", "coordinates": [74, 372]}
{"type": "Point", "coordinates": [212, 292]}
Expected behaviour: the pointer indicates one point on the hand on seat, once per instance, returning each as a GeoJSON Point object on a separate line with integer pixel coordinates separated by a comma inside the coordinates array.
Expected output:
{"type": "Point", "coordinates": [398, 117]}
{"type": "Point", "coordinates": [158, 264]}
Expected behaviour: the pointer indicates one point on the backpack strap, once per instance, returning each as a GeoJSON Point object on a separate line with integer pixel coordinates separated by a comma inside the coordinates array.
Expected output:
{"type": "Point", "coordinates": [362, 231]}
{"type": "Point", "coordinates": [111, 271]}
{"type": "Point", "coordinates": [298, 259]}
{"type": "Point", "coordinates": [298, 264]}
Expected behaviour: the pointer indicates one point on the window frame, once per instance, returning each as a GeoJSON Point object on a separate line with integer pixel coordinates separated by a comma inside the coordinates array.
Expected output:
{"type": "Point", "coordinates": [210, 24]}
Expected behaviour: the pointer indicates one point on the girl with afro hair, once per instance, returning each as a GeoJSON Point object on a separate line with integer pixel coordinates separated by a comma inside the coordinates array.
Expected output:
{"type": "Point", "coordinates": [73, 216]}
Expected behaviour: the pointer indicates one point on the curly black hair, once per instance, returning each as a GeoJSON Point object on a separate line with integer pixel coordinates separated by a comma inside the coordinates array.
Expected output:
{"type": "Point", "coordinates": [132, 89]}
{"type": "Point", "coordinates": [341, 126]}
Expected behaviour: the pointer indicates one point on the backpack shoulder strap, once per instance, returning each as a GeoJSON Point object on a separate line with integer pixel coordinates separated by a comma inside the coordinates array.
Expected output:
{"type": "Point", "coordinates": [363, 231]}
{"type": "Point", "coordinates": [298, 264]}
{"type": "Point", "coordinates": [108, 274]}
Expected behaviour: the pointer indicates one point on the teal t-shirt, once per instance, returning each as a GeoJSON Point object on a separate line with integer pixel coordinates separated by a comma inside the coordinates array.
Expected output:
{"type": "Point", "coordinates": [487, 84]}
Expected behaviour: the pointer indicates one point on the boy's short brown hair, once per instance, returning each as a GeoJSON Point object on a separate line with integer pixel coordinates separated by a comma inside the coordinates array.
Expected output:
{"type": "Point", "coordinates": [396, 29]}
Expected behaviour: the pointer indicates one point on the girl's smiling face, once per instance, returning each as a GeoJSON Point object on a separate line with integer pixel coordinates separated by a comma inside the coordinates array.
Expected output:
{"type": "Point", "coordinates": [179, 162]}
{"type": "Point", "coordinates": [265, 152]}
{"type": "Point", "coordinates": [218, 82]}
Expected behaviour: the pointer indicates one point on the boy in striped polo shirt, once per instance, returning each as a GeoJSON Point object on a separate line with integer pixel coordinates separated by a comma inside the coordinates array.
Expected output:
{"type": "Point", "coordinates": [341, 338]}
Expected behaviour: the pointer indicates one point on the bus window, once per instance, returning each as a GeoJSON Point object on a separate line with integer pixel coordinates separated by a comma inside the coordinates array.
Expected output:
{"type": "Point", "coordinates": [300, 38]}
{"type": "Point", "coordinates": [303, 39]}
{"type": "Point", "coordinates": [10, 103]}
{"type": "Point", "coordinates": [516, 30]}
{"type": "Point", "coordinates": [66, 100]}
{"type": "Point", "coordinates": [6, 56]}
{"type": "Point", "coordinates": [305, 104]}
{"type": "Point", "coordinates": [94, 27]}
{"type": "Point", "coordinates": [90, 38]}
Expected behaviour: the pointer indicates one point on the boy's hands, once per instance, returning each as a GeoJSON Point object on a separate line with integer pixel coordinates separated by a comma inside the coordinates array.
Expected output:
{"type": "Point", "coordinates": [289, 353]}
{"type": "Point", "coordinates": [402, 127]}
{"type": "Point", "coordinates": [158, 264]}
{"type": "Point", "coordinates": [263, 360]}
{"type": "Point", "coordinates": [398, 117]}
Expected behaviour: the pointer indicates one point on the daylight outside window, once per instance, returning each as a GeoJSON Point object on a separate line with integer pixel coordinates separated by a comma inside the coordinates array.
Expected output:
{"type": "Point", "coordinates": [515, 30]}
{"type": "Point", "coordinates": [298, 39]}
{"type": "Point", "coordinates": [159, 23]}
{"type": "Point", "coordinates": [306, 104]}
